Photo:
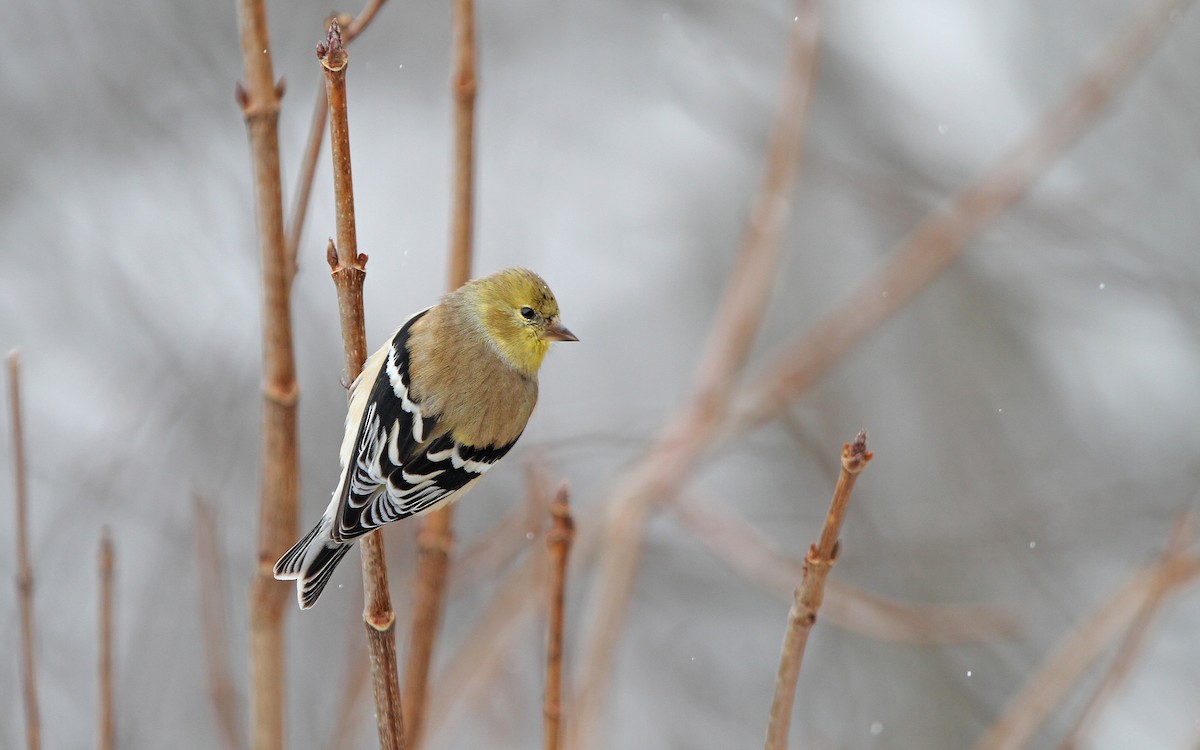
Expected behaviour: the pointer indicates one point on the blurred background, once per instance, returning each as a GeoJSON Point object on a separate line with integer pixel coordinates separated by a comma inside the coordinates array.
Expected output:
{"type": "Point", "coordinates": [1033, 411]}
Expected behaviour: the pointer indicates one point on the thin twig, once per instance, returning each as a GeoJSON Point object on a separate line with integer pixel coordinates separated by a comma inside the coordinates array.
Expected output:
{"type": "Point", "coordinates": [1046, 689]}
{"type": "Point", "coordinates": [348, 268]}
{"type": "Point", "coordinates": [107, 736]}
{"type": "Point", "coordinates": [437, 536]}
{"type": "Point", "coordinates": [687, 436]}
{"type": "Point", "coordinates": [214, 618]}
{"type": "Point", "coordinates": [259, 99]}
{"type": "Point", "coordinates": [820, 560]}
{"type": "Point", "coordinates": [316, 133]}
{"type": "Point", "coordinates": [940, 238]}
{"type": "Point", "coordinates": [558, 542]}
{"type": "Point", "coordinates": [33, 724]}
{"type": "Point", "coordinates": [754, 556]}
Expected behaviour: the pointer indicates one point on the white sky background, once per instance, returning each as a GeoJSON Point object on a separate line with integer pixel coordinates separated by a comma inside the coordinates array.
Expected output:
{"type": "Point", "coordinates": [1034, 412]}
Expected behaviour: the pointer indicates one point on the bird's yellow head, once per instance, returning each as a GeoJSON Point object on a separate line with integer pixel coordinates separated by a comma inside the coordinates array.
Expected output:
{"type": "Point", "coordinates": [518, 314]}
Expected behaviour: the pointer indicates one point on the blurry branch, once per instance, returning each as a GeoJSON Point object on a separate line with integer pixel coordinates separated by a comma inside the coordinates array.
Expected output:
{"type": "Point", "coordinates": [209, 562]}
{"type": "Point", "coordinates": [820, 560]}
{"type": "Point", "coordinates": [259, 99]}
{"type": "Point", "coordinates": [756, 558]}
{"type": "Point", "coordinates": [316, 133]}
{"type": "Point", "coordinates": [1047, 688]}
{"type": "Point", "coordinates": [1132, 645]}
{"type": "Point", "coordinates": [345, 732]}
{"type": "Point", "coordinates": [938, 240]}
{"type": "Point", "coordinates": [348, 269]}
{"type": "Point", "coordinates": [558, 542]}
{"type": "Point", "coordinates": [499, 546]}
{"type": "Point", "coordinates": [494, 633]}
{"type": "Point", "coordinates": [107, 736]}
{"type": "Point", "coordinates": [490, 642]}
{"type": "Point", "coordinates": [33, 724]}
{"type": "Point", "coordinates": [437, 536]}
{"type": "Point", "coordinates": [685, 438]}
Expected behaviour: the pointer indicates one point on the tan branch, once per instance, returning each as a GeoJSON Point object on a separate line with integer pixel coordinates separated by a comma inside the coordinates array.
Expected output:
{"type": "Point", "coordinates": [437, 536]}
{"type": "Point", "coordinates": [688, 435]}
{"type": "Point", "coordinates": [33, 724]}
{"type": "Point", "coordinates": [316, 133]}
{"type": "Point", "coordinates": [820, 560]}
{"type": "Point", "coordinates": [259, 98]}
{"type": "Point", "coordinates": [1132, 645]}
{"type": "Point", "coordinates": [754, 556]}
{"type": "Point", "coordinates": [213, 613]}
{"type": "Point", "coordinates": [558, 542]}
{"type": "Point", "coordinates": [939, 239]}
{"type": "Point", "coordinates": [348, 269]}
{"type": "Point", "coordinates": [107, 734]}
{"type": "Point", "coordinates": [1047, 688]}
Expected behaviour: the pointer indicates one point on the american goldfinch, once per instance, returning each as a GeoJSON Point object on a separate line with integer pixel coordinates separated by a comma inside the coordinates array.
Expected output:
{"type": "Point", "coordinates": [437, 406]}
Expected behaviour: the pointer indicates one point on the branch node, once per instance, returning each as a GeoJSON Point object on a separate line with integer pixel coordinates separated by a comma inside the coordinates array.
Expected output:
{"type": "Point", "coordinates": [330, 52]}
{"type": "Point", "coordinates": [381, 621]}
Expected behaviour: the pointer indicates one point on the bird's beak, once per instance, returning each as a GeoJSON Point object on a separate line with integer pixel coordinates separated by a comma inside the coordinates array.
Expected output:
{"type": "Point", "coordinates": [558, 332]}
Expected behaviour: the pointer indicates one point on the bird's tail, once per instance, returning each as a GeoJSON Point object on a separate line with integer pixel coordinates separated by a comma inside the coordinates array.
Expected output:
{"type": "Point", "coordinates": [310, 563]}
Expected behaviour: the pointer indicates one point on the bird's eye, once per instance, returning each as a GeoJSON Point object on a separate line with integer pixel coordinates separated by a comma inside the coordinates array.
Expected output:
{"type": "Point", "coordinates": [527, 313]}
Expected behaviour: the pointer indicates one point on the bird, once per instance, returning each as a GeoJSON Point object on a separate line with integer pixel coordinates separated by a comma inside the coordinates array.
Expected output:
{"type": "Point", "coordinates": [434, 408]}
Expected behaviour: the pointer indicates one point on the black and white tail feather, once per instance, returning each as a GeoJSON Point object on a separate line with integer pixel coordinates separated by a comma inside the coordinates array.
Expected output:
{"type": "Point", "coordinates": [391, 468]}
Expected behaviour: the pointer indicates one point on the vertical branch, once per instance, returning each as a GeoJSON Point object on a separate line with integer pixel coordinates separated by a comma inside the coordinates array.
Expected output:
{"type": "Point", "coordinates": [213, 612]}
{"type": "Point", "coordinates": [684, 439]}
{"type": "Point", "coordinates": [437, 536]}
{"type": "Point", "coordinates": [277, 523]}
{"type": "Point", "coordinates": [820, 560]}
{"type": "Point", "coordinates": [464, 86]}
{"type": "Point", "coordinates": [558, 540]}
{"type": "Point", "coordinates": [33, 724]}
{"type": "Point", "coordinates": [108, 727]}
{"type": "Point", "coordinates": [349, 271]}
{"type": "Point", "coordinates": [1132, 645]}
{"type": "Point", "coordinates": [312, 148]}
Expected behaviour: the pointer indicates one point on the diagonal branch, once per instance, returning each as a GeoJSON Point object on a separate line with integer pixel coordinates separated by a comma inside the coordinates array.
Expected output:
{"type": "Point", "coordinates": [213, 610]}
{"type": "Point", "coordinates": [316, 133]}
{"type": "Point", "coordinates": [938, 240]}
{"type": "Point", "coordinates": [689, 434]}
{"type": "Point", "coordinates": [107, 734]}
{"type": "Point", "coordinates": [33, 723]}
{"type": "Point", "coordinates": [803, 616]}
{"type": "Point", "coordinates": [349, 270]}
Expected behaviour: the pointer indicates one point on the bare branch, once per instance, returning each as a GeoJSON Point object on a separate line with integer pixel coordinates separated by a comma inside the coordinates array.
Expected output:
{"type": "Point", "coordinates": [803, 615]}
{"type": "Point", "coordinates": [689, 434]}
{"type": "Point", "coordinates": [316, 133]}
{"type": "Point", "coordinates": [107, 734]}
{"type": "Point", "coordinates": [277, 523]}
{"type": "Point", "coordinates": [33, 724]}
{"type": "Point", "coordinates": [755, 557]}
{"type": "Point", "coordinates": [938, 240]}
{"type": "Point", "coordinates": [213, 614]}
{"type": "Point", "coordinates": [558, 542]}
{"type": "Point", "coordinates": [1047, 688]}
{"type": "Point", "coordinates": [349, 270]}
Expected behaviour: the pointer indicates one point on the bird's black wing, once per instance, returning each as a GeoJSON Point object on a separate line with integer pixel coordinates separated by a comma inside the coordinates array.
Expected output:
{"type": "Point", "coordinates": [394, 470]}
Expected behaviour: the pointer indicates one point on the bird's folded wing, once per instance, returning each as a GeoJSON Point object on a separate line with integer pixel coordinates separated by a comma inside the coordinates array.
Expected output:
{"type": "Point", "coordinates": [394, 470]}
